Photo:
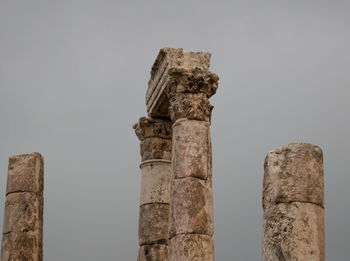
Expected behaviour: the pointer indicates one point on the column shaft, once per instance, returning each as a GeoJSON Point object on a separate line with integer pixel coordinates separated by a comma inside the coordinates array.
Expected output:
{"type": "Point", "coordinates": [22, 237]}
{"type": "Point", "coordinates": [155, 136]}
{"type": "Point", "coordinates": [191, 207]}
{"type": "Point", "coordinates": [293, 203]}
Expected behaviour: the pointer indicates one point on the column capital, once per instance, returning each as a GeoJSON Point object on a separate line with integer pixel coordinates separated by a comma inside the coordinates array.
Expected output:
{"type": "Point", "coordinates": [150, 127]}
{"type": "Point", "coordinates": [155, 136]}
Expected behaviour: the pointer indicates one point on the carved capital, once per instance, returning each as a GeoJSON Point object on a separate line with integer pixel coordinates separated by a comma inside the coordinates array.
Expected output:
{"type": "Point", "coordinates": [194, 106]}
{"type": "Point", "coordinates": [195, 80]}
{"type": "Point", "coordinates": [155, 136]}
{"type": "Point", "coordinates": [150, 127]}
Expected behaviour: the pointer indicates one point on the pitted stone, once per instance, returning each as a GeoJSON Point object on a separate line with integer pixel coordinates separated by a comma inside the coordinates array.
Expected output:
{"type": "Point", "coordinates": [293, 232]}
{"type": "Point", "coordinates": [191, 205]}
{"type": "Point", "coordinates": [153, 224]}
{"type": "Point", "coordinates": [25, 173]}
{"type": "Point", "coordinates": [155, 182]}
{"type": "Point", "coordinates": [191, 247]}
{"type": "Point", "coordinates": [155, 252]}
{"type": "Point", "coordinates": [193, 145]}
{"type": "Point", "coordinates": [294, 173]}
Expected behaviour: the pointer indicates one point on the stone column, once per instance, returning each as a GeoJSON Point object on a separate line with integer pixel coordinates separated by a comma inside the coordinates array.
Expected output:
{"type": "Point", "coordinates": [155, 137]}
{"type": "Point", "coordinates": [191, 201]}
{"type": "Point", "coordinates": [22, 237]}
{"type": "Point", "coordinates": [293, 203]}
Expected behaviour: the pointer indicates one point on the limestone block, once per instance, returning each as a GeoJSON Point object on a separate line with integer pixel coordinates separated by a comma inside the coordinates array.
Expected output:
{"type": "Point", "coordinates": [25, 173]}
{"type": "Point", "coordinates": [293, 232]}
{"type": "Point", "coordinates": [155, 182]}
{"type": "Point", "coordinates": [153, 224]}
{"type": "Point", "coordinates": [191, 207]}
{"type": "Point", "coordinates": [20, 246]}
{"type": "Point", "coordinates": [21, 212]}
{"type": "Point", "coordinates": [191, 247]}
{"type": "Point", "coordinates": [156, 148]}
{"type": "Point", "coordinates": [294, 173]}
{"type": "Point", "coordinates": [154, 252]}
{"type": "Point", "coordinates": [167, 60]}
{"type": "Point", "coordinates": [191, 157]}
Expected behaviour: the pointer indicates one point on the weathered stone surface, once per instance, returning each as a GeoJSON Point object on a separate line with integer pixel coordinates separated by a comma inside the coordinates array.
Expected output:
{"type": "Point", "coordinates": [21, 212]}
{"type": "Point", "coordinates": [191, 247]}
{"type": "Point", "coordinates": [192, 143]}
{"type": "Point", "coordinates": [154, 252]}
{"type": "Point", "coordinates": [155, 182]}
{"type": "Point", "coordinates": [191, 205]}
{"type": "Point", "coordinates": [21, 246]}
{"type": "Point", "coordinates": [293, 232]}
{"type": "Point", "coordinates": [155, 148]}
{"type": "Point", "coordinates": [150, 127]}
{"type": "Point", "coordinates": [153, 224]}
{"type": "Point", "coordinates": [294, 173]}
{"type": "Point", "coordinates": [25, 173]}
{"type": "Point", "coordinates": [168, 61]}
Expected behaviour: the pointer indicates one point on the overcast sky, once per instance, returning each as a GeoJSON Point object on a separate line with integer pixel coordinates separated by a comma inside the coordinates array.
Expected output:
{"type": "Point", "coordinates": [73, 79]}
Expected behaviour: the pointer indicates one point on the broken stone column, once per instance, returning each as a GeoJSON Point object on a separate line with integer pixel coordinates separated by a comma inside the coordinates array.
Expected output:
{"type": "Point", "coordinates": [180, 87]}
{"type": "Point", "coordinates": [22, 234]}
{"type": "Point", "coordinates": [155, 137]}
{"type": "Point", "coordinates": [293, 203]}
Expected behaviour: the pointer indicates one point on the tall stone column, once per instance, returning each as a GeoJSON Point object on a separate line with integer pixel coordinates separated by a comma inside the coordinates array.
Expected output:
{"type": "Point", "coordinates": [155, 137]}
{"type": "Point", "coordinates": [22, 234]}
{"type": "Point", "coordinates": [293, 203]}
{"type": "Point", "coordinates": [191, 201]}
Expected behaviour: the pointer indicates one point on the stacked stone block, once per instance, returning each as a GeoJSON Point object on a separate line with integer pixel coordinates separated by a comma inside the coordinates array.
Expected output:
{"type": "Point", "coordinates": [293, 203]}
{"type": "Point", "coordinates": [155, 137]}
{"type": "Point", "coordinates": [22, 235]}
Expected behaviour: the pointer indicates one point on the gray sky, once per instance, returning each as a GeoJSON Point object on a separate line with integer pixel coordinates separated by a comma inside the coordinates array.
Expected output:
{"type": "Point", "coordinates": [73, 78]}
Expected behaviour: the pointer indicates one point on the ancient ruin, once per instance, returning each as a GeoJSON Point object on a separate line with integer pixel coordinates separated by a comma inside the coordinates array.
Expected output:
{"type": "Point", "coordinates": [22, 234]}
{"type": "Point", "coordinates": [176, 204]}
{"type": "Point", "coordinates": [293, 203]}
{"type": "Point", "coordinates": [176, 199]}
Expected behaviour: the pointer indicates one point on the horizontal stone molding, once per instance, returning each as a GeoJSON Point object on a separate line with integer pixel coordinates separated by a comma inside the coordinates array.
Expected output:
{"type": "Point", "coordinates": [154, 161]}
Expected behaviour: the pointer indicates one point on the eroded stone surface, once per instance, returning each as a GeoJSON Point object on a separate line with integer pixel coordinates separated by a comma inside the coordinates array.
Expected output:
{"type": "Point", "coordinates": [192, 143]}
{"type": "Point", "coordinates": [155, 148]}
{"type": "Point", "coordinates": [294, 173]}
{"type": "Point", "coordinates": [21, 246]}
{"type": "Point", "coordinates": [154, 252]}
{"type": "Point", "coordinates": [21, 212]}
{"type": "Point", "coordinates": [25, 173]}
{"type": "Point", "coordinates": [168, 61]}
{"type": "Point", "coordinates": [150, 127]}
{"type": "Point", "coordinates": [293, 232]}
{"type": "Point", "coordinates": [153, 224]}
{"type": "Point", "coordinates": [191, 207]}
{"type": "Point", "coordinates": [155, 182]}
{"type": "Point", "coordinates": [191, 247]}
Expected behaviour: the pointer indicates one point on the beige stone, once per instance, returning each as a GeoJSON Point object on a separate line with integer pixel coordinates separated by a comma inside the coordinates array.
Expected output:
{"type": "Point", "coordinates": [168, 62]}
{"type": "Point", "coordinates": [294, 173]}
{"type": "Point", "coordinates": [154, 252]}
{"type": "Point", "coordinates": [21, 212]}
{"type": "Point", "coordinates": [155, 182]}
{"type": "Point", "coordinates": [192, 142]}
{"type": "Point", "coordinates": [155, 148]}
{"type": "Point", "coordinates": [191, 207]}
{"type": "Point", "coordinates": [153, 224]}
{"type": "Point", "coordinates": [21, 246]}
{"type": "Point", "coordinates": [191, 247]}
{"type": "Point", "coordinates": [25, 173]}
{"type": "Point", "coordinates": [293, 232]}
